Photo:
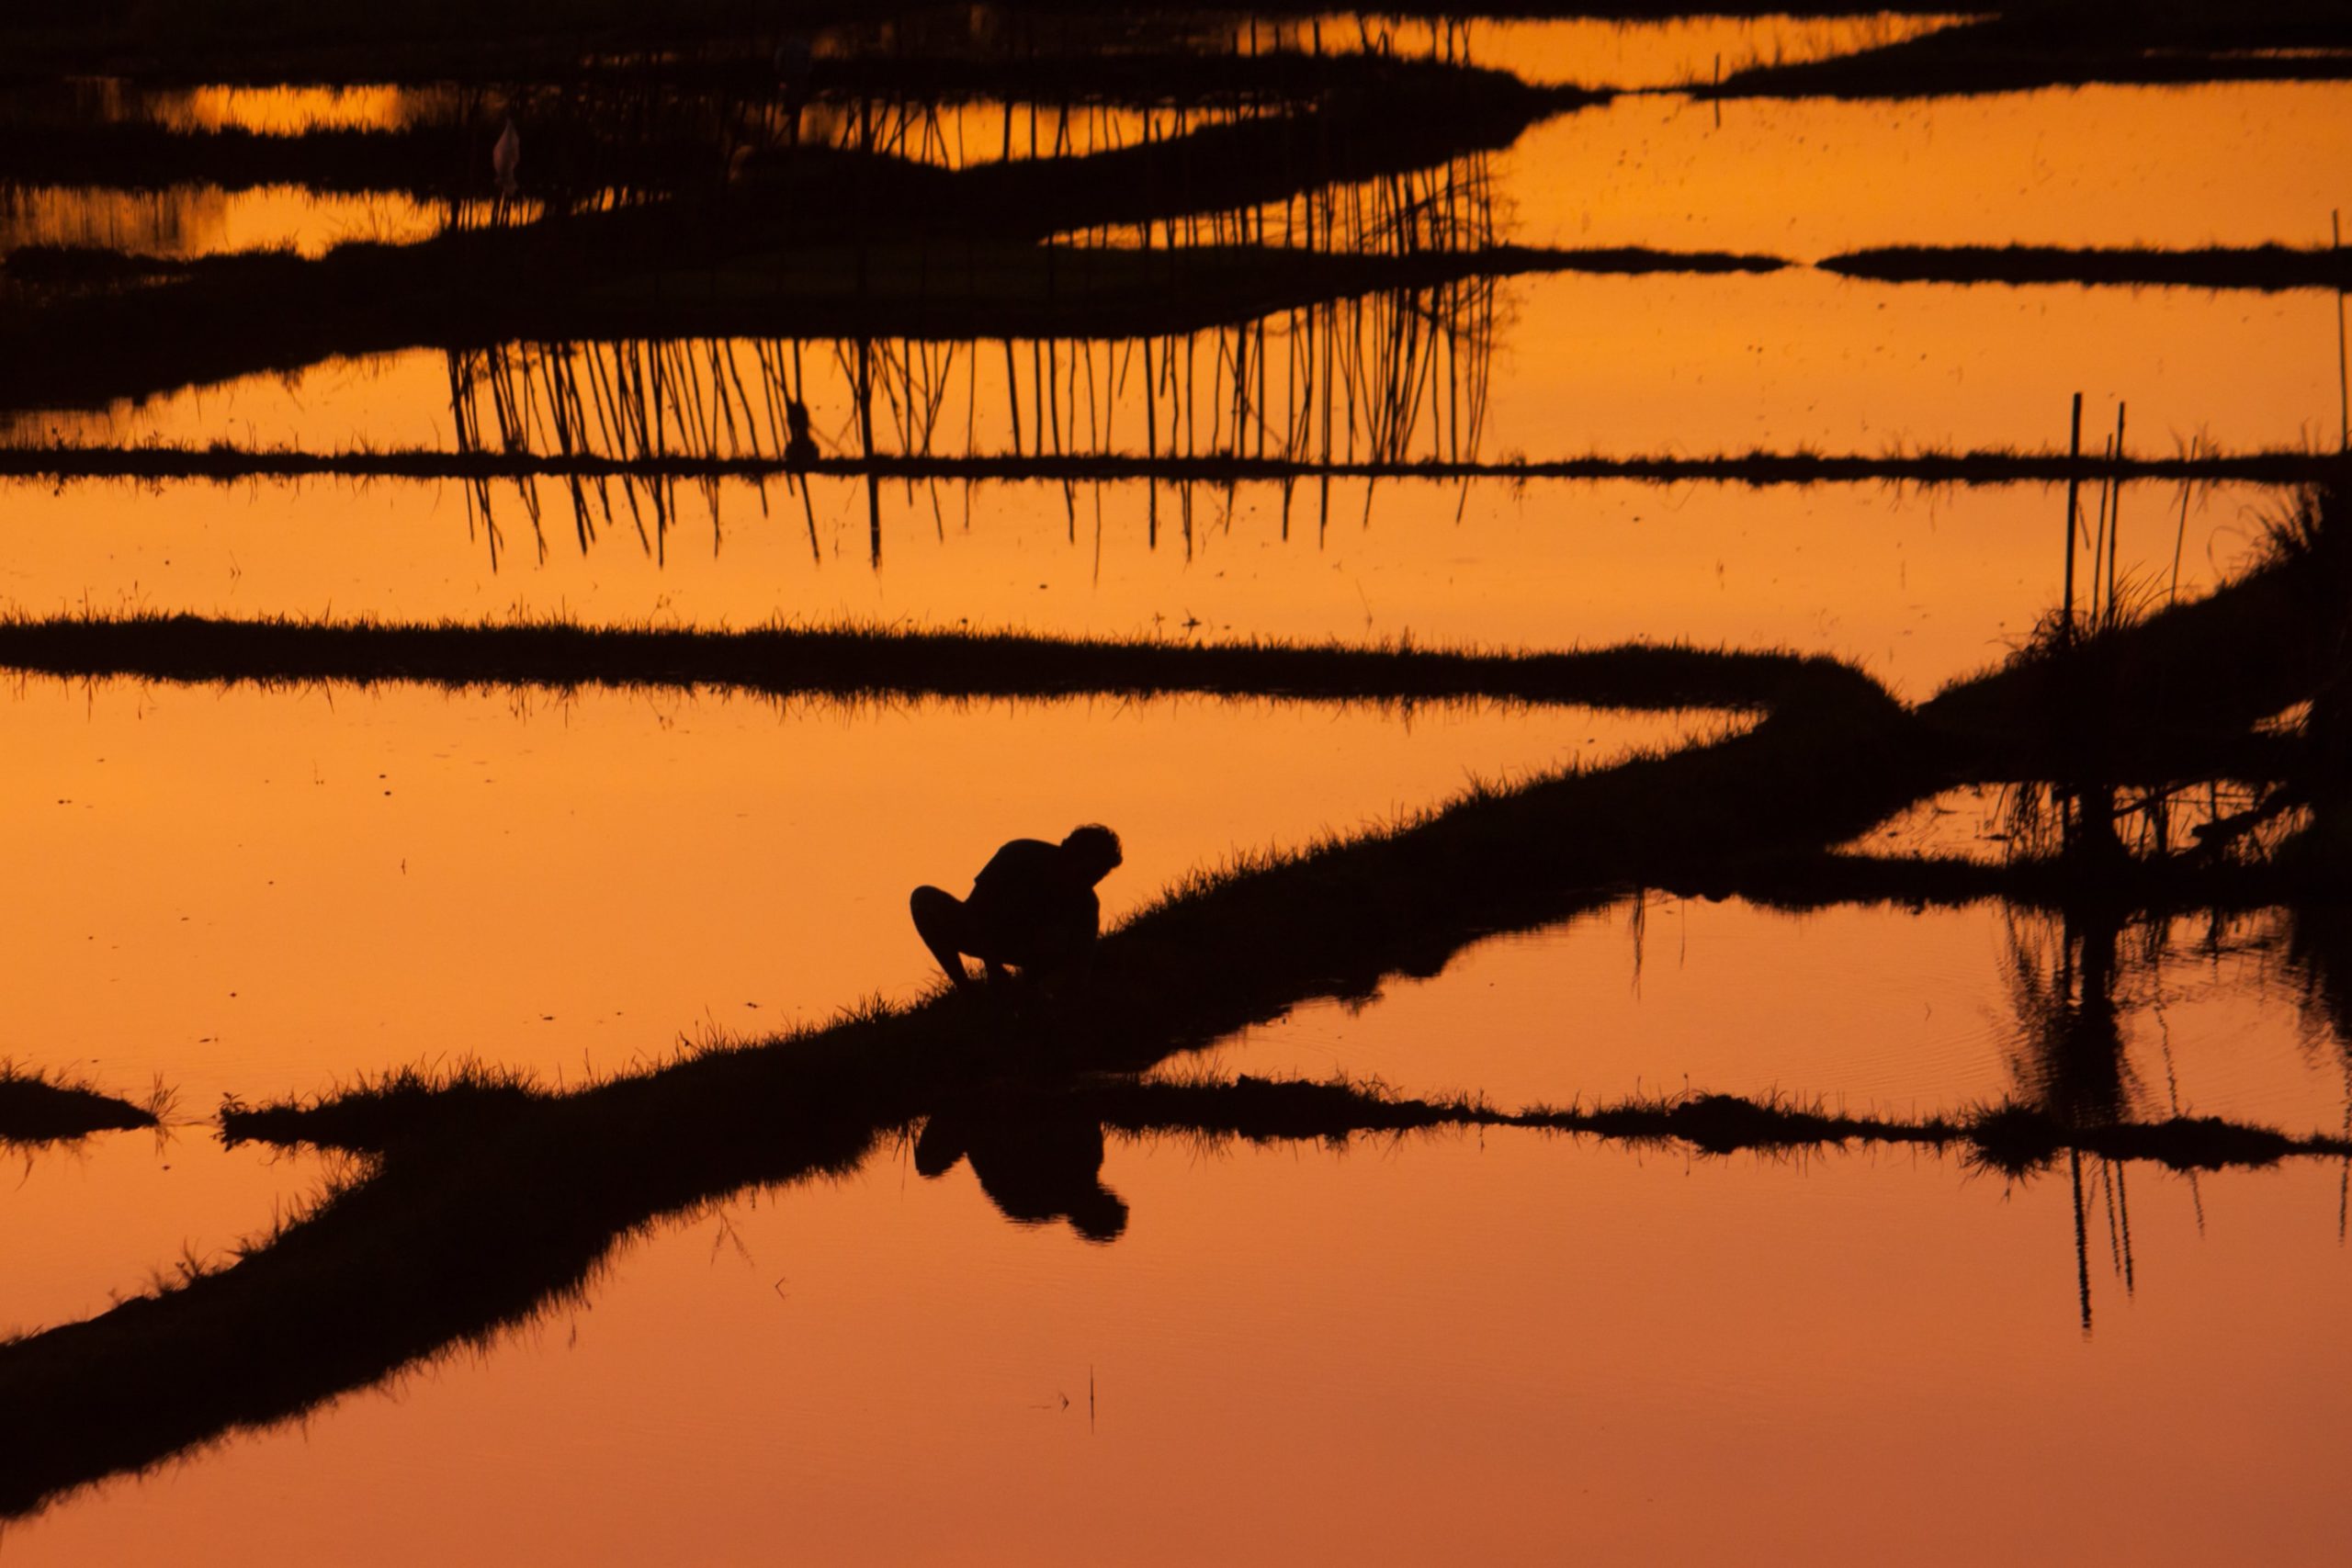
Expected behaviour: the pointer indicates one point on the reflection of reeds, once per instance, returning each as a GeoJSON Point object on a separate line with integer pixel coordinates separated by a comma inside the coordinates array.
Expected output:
{"type": "Point", "coordinates": [2076, 980]}
{"type": "Point", "coordinates": [2268, 268]}
{"type": "Point", "coordinates": [178, 222]}
{"type": "Point", "coordinates": [1397, 377]}
{"type": "Point", "coordinates": [2223, 817]}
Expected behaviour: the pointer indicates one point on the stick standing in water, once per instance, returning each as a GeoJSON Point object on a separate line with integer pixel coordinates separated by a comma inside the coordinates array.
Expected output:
{"type": "Point", "coordinates": [1032, 908]}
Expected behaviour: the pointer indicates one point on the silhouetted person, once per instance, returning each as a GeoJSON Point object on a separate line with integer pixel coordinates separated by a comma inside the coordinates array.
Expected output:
{"type": "Point", "coordinates": [1038, 1160]}
{"type": "Point", "coordinates": [800, 447]}
{"type": "Point", "coordinates": [1032, 909]}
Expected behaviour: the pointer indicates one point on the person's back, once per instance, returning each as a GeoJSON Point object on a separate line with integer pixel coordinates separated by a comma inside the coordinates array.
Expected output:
{"type": "Point", "coordinates": [1032, 908]}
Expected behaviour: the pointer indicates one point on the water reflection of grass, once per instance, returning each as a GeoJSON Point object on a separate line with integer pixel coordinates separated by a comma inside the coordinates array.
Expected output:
{"type": "Point", "coordinates": [2269, 267]}
{"type": "Point", "coordinates": [39, 1107]}
{"type": "Point", "coordinates": [2010, 1136]}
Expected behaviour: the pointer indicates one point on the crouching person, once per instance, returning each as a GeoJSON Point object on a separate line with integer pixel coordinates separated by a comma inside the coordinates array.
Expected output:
{"type": "Point", "coordinates": [1032, 909]}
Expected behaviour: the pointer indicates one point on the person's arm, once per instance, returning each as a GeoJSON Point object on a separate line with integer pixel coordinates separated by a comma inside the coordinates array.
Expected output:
{"type": "Point", "coordinates": [1076, 930]}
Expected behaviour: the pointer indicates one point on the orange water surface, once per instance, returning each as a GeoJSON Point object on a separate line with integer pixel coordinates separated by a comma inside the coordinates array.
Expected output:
{"type": "Point", "coordinates": [1498, 1346]}
{"type": "Point", "coordinates": [1576, 365]}
{"type": "Point", "coordinates": [1507, 1347]}
{"type": "Point", "coordinates": [1920, 588]}
{"type": "Point", "coordinates": [2229, 164]}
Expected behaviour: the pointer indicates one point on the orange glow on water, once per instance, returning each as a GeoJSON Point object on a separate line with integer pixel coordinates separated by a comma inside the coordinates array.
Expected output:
{"type": "Point", "coordinates": [2239, 163]}
{"type": "Point", "coordinates": [1489, 1346]}
{"type": "Point", "coordinates": [1601, 52]}
{"type": "Point", "coordinates": [1921, 588]}
{"type": "Point", "coordinates": [260, 893]}
{"type": "Point", "coordinates": [205, 221]}
{"type": "Point", "coordinates": [284, 110]}
{"type": "Point", "coordinates": [1386, 1356]}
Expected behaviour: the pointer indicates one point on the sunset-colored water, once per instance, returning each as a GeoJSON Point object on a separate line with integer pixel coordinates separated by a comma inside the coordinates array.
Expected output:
{"type": "Point", "coordinates": [1486, 1344]}
{"type": "Point", "coordinates": [1868, 1009]}
{"type": "Point", "coordinates": [1576, 365]}
{"type": "Point", "coordinates": [1455, 1328]}
{"type": "Point", "coordinates": [1920, 588]}
{"type": "Point", "coordinates": [2231, 164]}
{"type": "Point", "coordinates": [241, 891]}
{"type": "Point", "coordinates": [181, 221]}
{"type": "Point", "coordinates": [1605, 51]}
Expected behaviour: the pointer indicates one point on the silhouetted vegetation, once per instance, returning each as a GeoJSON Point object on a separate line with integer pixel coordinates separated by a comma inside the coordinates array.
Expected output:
{"type": "Point", "coordinates": [2269, 267]}
{"type": "Point", "coordinates": [39, 1108]}
{"type": "Point", "coordinates": [1993, 467]}
{"type": "Point", "coordinates": [856, 661]}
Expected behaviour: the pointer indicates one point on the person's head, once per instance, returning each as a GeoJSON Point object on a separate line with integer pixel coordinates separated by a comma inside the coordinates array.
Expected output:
{"type": "Point", "coordinates": [1096, 848]}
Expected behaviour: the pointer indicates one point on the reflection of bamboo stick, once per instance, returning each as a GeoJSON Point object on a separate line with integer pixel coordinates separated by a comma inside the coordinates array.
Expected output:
{"type": "Point", "coordinates": [2123, 1208]}
{"type": "Point", "coordinates": [2082, 1239]}
{"type": "Point", "coordinates": [2115, 515]}
{"type": "Point", "coordinates": [1013, 394]}
{"type": "Point", "coordinates": [2098, 535]}
{"type": "Point", "coordinates": [2074, 493]}
{"type": "Point", "coordinates": [1150, 447]}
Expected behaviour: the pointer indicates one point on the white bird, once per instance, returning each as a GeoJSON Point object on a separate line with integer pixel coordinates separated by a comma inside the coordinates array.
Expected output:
{"type": "Point", "coordinates": [504, 156]}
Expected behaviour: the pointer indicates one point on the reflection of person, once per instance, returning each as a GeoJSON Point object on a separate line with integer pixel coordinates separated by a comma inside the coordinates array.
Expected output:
{"type": "Point", "coordinates": [1037, 1160]}
{"type": "Point", "coordinates": [1032, 909]}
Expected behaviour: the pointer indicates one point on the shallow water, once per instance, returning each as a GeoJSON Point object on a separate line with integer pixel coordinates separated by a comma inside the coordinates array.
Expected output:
{"type": "Point", "coordinates": [1869, 1009]}
{"type": "Point", "coordinates": [1463, 1345]}
{"type": "Point", "coordinates": [262, 893]}
{"type": "Point", "coordinates": [1599, 51]}
{"type": "Point", "coordinates": [1920, 588]}
{"type": "Point", "coordinates": [263, 110]}
{"type": "Point", "coordinates": [184, 221]}
{"type": "Point", "coordinates": [1383, 1354]}
{"type": "Point", "coordinates": [266, 893]}
{"type": "Point", "coordinates": [1555, 366]}
{"type": "Point", "coordinates": [89, 1223]}
{"type": "Point", "coordinates": [2226, 163]}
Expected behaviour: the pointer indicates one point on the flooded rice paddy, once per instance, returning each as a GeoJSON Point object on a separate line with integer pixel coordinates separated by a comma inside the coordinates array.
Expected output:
{"type": "Point", "coordinates": [1547, 367]}
{"type": "Point", "coordinates": [567, 1149]}
{"type": "Point", "coordinates": [1920, 588]}
{"type": "Point", "coordinates": [1544, 1319]}
{"type": "Point", "coordinates": [181, 221]}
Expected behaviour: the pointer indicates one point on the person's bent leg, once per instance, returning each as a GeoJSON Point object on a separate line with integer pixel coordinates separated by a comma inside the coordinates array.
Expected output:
{"type": "Point", "coordinates": [940, 920]}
